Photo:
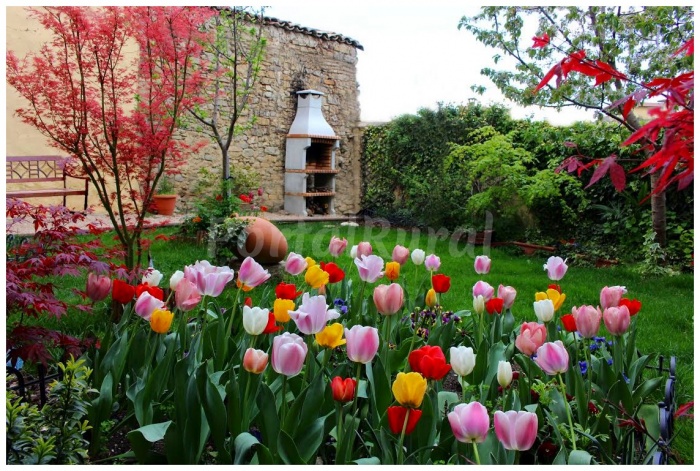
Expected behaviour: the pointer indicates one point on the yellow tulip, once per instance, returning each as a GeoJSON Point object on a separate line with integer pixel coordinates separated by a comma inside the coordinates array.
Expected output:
{"type": "Point", "coordinates": [310, 262]}
{"type": "Point", "coordinates": [431, 298]}
{"type": "Point", "coordinates": [331, 336]}
{"type": "Point", "coordinates": [409, 389]}
{"type": "Point", "coordinates": [281, 309]}
{"type": "Point", "coordinates": [161, 320]}
{"type": "Point", "coordinates": [392, 270]}
{"type": "Point", "coordinates": [556, 297]}
{"type": "Point", "coordinates": [315, 277]}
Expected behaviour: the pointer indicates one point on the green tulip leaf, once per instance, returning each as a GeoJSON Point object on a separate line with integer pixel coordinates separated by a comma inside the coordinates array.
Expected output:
{"type": "Point", "coordinates": [212, 401]}
{"type": "Point", "coordinates": [580, 457]}
{"type": "Point", "coordinates": [309, 441]}
{"type": "Point", "coordinates": [244, 447]}
{"type": "Point", "coordinates": [372, 460]}
{"type": "Point", "coordinates": [287, 449]}
{"type": "Point", "coordinates": [445, 400]}
{"type": "Point", "coordinates": [142, 440]}
{"type": "Point", "coordinates": [267, 418]}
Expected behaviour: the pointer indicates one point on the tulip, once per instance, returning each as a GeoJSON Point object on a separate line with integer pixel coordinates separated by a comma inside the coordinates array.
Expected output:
{"type": "Point", "coordinates": [255, 361]}
{"type": "Point", "coordinates": [331, 336]}
{"type": "Point", "coordinates": [362, 343]}
{"type": "Point", "coordinates": [397, 417]}
{"type": "Point", "coordinates": [432, 262]}
{"type": "Point", "coordinates": [370, 267]}
{"type": "Point", "coordinates": [335, 273]}
{"type": "Point", "coordinates": [152, 290]}
{"type": "Point", "coordinates": [505, 374]}
{"type": "Point", "coordinates": [313, 314]}
{"type": "Point", "coordinates": [175, 279]}
{"type": "Point", "coordinates": [392, 270]}
{"type": "Point", "coordinates": [532, 336]}
{"type": "Point", "coordinates": [429, 361]}
{"type": "Point", "coordinates": [553, 358]}
{"type": "Point", "coordinates": [587, 320]}
{"type": "Point", "coordinates": [494, 306]}
{"type": "Point", "coordinates": [271, 327]}
{"type": "Point", "coordinates": [400, 254]}
{"type": "Point", "coordinates": [556, 268]}
{"type": "Point", "coordinates": [98, 286]}
{"type": "Point", "coordinates": [409, 389]}
{"type": "Point", "coordinates": [544, 310]}
{"type": "Point", "coordinates": [161, 320]}
{"type": "Point", "coordinates": [430, 298]}
{"type": "Point", "coordinates": [478, 304]}
{"type": "Point", "coordinates": [482, 264]}
{"type": "Point", "coordinates": [252, 274]}
{"type": "Point", "coordinates": [310, 262]}
{"type": "Point", "coordinates": [556, 296]}
{"type": "Point", "coordinates": [210, 280]}
{"type": "Point", "coordinates": [248, 301]}
{"type": "Point", "coordinates": [568, 322]}
{"type": "Point", "coordinates": [388, 298]}
{"type": "Point", "coordinates": [337, 246]}
{"type": "Point", "coordinates": [286, 291]}
{"type": "Point", "coordinates": [122, 292]}
{"type": "Point", "coordinates": [462, 360]}
{"type": "Point", "coordinates": [633, 305]}
{"type": "Point", "coordinates": [441, 283]}
{"type": "Point", "coordinates": [516, 430]}
{"type": "Point", "coordinates": [617, 319]}
{"type": "Point", "coordinates": [281, 309]}
{"type": "Point", "coordinates": [146, 304]}
{"type": "Point", "coordinates": [364, 248]}
{"type": "Point", "coordinates": [343, 389]}
{"type": "Point", "coordinates": [353, 252]}
{"type": "Point", "coordinates": [507, 293]}
{"type": "Point", "coordinates": [484, 289]}
{"type": "Point", "coordinates": [186, 295]}
{"type": "Point", "coordinates": [152, 277]}
{"type": "Point", "coordinates": [611, 296]}
{"type": "Point", "coordinates": [418, 257]}
{"type": "Point", "coordinates": [295, 264]}
{"type": "Point", "coordinates": [288, 354]}
{"type": "Point", "coordinates": [316, 277]}
{"type": "Point", "coordinates": [469, 422]}
{"type": "Point", "coordinates": [254, 320]}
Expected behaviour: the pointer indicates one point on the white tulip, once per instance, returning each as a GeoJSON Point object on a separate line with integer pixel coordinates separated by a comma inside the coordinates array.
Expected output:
{"type": "Point", "coordinates": [544, 310]}
{"type": "Point", "coordinates": [152, 277]}
{"type": "Point", "coordinates": [175, 279]}
{"type": "Point", "coordinates": [462, 360]}
{"type": "Point", "coordinates": [479, 304]}
{"type": "Point", "coordinates": [418, 256]}
{"type": "Point", "coordinates": [255, 319]}
{"type": "Point", "coordinates": [353, 251]}
{"type": "Point", "coordinates": [505, 374]}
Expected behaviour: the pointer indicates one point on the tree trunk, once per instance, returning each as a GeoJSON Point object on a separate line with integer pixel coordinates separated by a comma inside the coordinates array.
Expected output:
{"type": "Point", "coordinates": [658, 210]}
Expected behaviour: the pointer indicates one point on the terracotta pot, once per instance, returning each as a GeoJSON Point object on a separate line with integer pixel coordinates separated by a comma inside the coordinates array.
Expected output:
{"type": "Point", "coordinates": [164, 204]}
{"type": "Point", "coordinates": [265, 242]}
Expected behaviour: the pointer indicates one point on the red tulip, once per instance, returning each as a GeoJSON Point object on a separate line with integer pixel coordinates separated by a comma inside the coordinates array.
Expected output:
{"type": "Point", "coordinates": [271, 327]}
{"type": "Point", "coordinates": [569, 322]}
{"type": "Point", "coordinates": [122, 291]}
{"type": "Point", "coordinates": [633, 305]}
{"type": "Point", "coordinates": [441, 283]}
{"type": "Point", "coordinates": [554, 287]}
{"type": "Point", "coordinates": [98, 286]}
{"type": "Point", "coordinates": [429, 361]}
{"type": "Point", "coordinates": [397, 416]}
{"type": "Point", "coordinates": [152, 290]}
{"type": "Point", "coordinates": [248, 301]}
{"type": "Point", "coordinates": [494, 305]}
{"type": "Point", "coordinates": [343, 389]}
{"type": "Point", "coordinates": [287, 291]}
{"type": "Point", "coordinates": [335, 273]}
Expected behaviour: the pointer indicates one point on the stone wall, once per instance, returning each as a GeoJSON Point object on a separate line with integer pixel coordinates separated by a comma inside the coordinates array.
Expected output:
{"type": "Point", "coordinates": [294, 59]}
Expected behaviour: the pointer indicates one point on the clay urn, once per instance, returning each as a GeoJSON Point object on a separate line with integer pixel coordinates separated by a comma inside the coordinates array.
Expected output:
{"type": "Point", "coordinates": [265, 242]}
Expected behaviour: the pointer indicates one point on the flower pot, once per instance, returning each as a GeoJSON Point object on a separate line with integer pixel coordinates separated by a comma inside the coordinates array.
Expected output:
{"type": "Point", "coordinates": [164, 204]}
{"type": "Point", "coordinates": [265, 242]}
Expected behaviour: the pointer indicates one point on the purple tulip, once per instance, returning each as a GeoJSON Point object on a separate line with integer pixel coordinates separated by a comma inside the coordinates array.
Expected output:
{"type": "Point", "coordinates": [516, 430]}
{"type": "Point", "coordinates": [482, 264]}
{"type": "Point", "coordinates": [556, 268]}
{"type": "Point", "coordinates": [337, 246]}
{"type": "Point", "coordinates": [288, 354]}
{"type": "Point", "coordinates": [295, 264]}
{"type": "Point", "coordinates": [553, 358]}
{"type": "Point", "coordinates": [388, 298]}
{"type": "Point", "coordinates": [146, 304]}
{"type": "Point", "coordinates": [252, 274]}
{"type": "Point", "coordinates": [362, 343]}
{"type": "Point", "coordinates": [469, 422]}
{"type": "Point", "coordinates": [98, 286]}
{"type": "Point", "coordinates": [507, 294]}
{"type": "Point", "coordinates": [484, 289]}
{"type": "Point", "coordinates": [400, 254]}
{"type": "Point", "coordinates": [587, 320]}
{"type": "Point", "coordinates": [370, 267]}
{"type": "Point", "coordinates": [364, 248]}
{"type": "Point", "coordinates": [313, 314]}
{"type": "Point", "coordinates": [610, 296]}
{"type": "Point", "coordinates": [617, 319]}
{"type": "Point", "coordinates": [432, 262]}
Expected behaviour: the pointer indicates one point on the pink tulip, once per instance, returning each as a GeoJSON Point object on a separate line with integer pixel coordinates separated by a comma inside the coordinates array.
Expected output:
{"type": "Point", "coordinates": [364, 248]}
{"type": "Point", "coordinates": [484, 289]}
{"type": "Point", "coordinates": [98, 286]}
{"type": "Point", "coordinates": [186, 295]}
{"type": "Point", "coordinates": [255, 361]}
{"type": "Point", "coordinates": [610, 296]}
{"type": "Point", "coordinates": [532, 336]}
{"type": "Point", "coordinates": [587, 320]}
{"type": "Point", "coordinates": [617, 319]}
{"type": "Point", "coordinates": [482, 264]}
{"type": "Point", "coordinates": [252, 274]}
{"type": "Point", "coordinates": [362, 343]}
{"type": "Point", "coordinates": [400, 254]}
{"type": "Point", "coordinates": [370, 267]}
{"type": "Point", "coordinates": [432, 262]}
{"type": "Point", "coordinates": [553, 358]}
{"type": "Point", "coordinates": [516, 430]}
{"type": "Point", "coordinates": [507, 294]}
{"type": "Point", "coordinates": [210, 280]}
{"type": "Point", "coordinates": [556, 268]}
{"type": "Point", "coordinates": [295, 264]}
{"type": "Point", "coordinates": [469, 422]}
{"type": "Point", "coordinates": [146, 304]}
{"type": "Point", "coordinates": [288, 354]}
{"type": "Point", "coordinates": [388, 298]}
{"type": "Point", "coordinates": [312, 314]}
{"type": "Point", "coordinates": [337, 246]}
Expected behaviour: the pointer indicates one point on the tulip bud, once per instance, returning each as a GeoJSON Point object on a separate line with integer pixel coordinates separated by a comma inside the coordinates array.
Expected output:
{"type": "Point", "coordinates": [482, 264]}
{"type": "Point", "coordinates": [544, 310]}
{"type": "Point", "coordinates": [175, 279]}
{"type": "Point", "coordinates": [469, 422]}
{"type": "Point", "coordinates": [556, 268]}
{"type": "Point", "coordinates": [255, 361]}
{"type": "Point", "coordinates": [343, 389]}
{"type": "Point", "coordinates": [364, 248]}
{"type": "Point", "coordinates": [432, 262]}
{"type": "Point", "coordinates": [98, 286]}
{"type": "Point", "coordinates": [161, 320]}
{"type": "Point", "coordinates": [418, 256]}
{"type": "Point", "coordinates": [431, 298]}
{"type": "Point", "coordinates": [255, 320]}
{"type": "Point", "coordinates": [479, 304]}
{"type": "Point", "coordinates": [505, 374]}
{"type": "Point", "coordinates": [353, 251]}
{"type": "Point", "coordinates": [462, 360]}
{"type": "Point", "coordinates": [400, 254]}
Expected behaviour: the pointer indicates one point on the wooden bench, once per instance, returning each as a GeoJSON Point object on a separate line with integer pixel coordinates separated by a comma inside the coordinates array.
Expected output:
{"type": "Point", "coordinates": [40, 169]}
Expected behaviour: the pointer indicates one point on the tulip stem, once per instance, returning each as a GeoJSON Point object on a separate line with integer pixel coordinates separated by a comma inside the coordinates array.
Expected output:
{"type": "Point", "coordinates": [245, 411]}
{"type": "Point", "coordinates": [590, 373]}
{"type": "Point", "coordinates": [568, 410]}
{"type": "Point", "coordinates": [358, 311]}
{"type": "Point", "coordinates": [516, 459]}
{"type": "Point", "coordinates": [339, 431]}
{"type": "Point", "coordinates": [229, 324]}
{"type": "Point", "coordinates": [387, 334]}
{"type": "Point", "coordinates": [464, 388]}
{"type": "Point", "coordinates": [413, 339]}
{"type": "Point", "coordinates": [403, 434]}
{"type": "Point", "coordinates": [476, 453]}
{"type": "Point", "coordinates": [357, 389]}
{"type": "Point", "coordinates": [283, 411]}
